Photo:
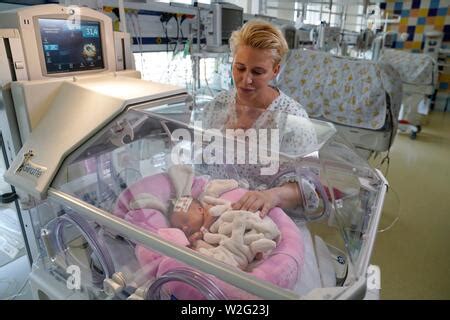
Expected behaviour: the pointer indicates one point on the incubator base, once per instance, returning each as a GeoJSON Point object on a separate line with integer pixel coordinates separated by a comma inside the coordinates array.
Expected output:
{"type": "Point", "coordinates": [414, 107]}
{"type": "Point", "coordinates": [405, 127]}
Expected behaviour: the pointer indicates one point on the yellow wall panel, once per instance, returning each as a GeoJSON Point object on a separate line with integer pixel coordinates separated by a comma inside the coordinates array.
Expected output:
{"type": "Point", "coordinates": [420, 29]}
{"type": "Point", "coordinates": [439, 21]}
{"type": "Point", "coordinates": [408, 45]}
{"type": "Point", "coordinates": [416, 45]}
{"type": "Point", "coordinates": [423, 12]}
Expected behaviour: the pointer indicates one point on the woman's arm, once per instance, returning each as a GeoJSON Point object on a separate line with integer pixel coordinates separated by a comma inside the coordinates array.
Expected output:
{"type": "Point", "coordinates": [288, 195]}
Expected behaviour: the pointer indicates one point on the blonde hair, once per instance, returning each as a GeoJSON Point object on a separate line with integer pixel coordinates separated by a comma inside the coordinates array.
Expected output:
{"type": "Point", "coordinates": [260, 34]}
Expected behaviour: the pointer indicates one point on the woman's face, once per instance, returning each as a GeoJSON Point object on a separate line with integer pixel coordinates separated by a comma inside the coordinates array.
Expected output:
{"type": "Point", "coordinates": [253, 69]}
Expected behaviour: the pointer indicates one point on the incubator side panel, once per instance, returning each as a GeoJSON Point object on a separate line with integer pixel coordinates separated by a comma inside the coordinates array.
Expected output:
{"type": "Point", "coordinates": [54, 138]}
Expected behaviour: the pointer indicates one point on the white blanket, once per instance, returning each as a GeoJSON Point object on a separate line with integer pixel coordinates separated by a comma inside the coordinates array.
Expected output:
{"type": "Point", "coordinates": [238, 236]}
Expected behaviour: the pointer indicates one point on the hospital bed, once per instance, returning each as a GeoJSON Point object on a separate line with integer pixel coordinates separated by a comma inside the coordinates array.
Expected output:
{"type": "Point", "coordinates": [419, 75]}
{"type": "Point", "coordinates": [361, 98]}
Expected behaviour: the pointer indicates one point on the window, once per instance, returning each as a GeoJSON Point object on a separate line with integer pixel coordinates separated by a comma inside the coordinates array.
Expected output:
{"type": "Point", "coordinates": [163, 67]}
{"type": "Point", "coordinates": [341, 13]}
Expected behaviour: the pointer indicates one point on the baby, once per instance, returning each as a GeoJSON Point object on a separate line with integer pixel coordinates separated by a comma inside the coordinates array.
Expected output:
{"type": "Point", "coordinates": [236, 237]}
{"type": "Point", "coordinates": [210, 224]}
{"type": "Point", "coordinates": [195, 221]}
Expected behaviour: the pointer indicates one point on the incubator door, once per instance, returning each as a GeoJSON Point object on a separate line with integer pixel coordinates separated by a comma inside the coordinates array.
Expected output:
{"type": "Point", "coordinates": [14, 253]}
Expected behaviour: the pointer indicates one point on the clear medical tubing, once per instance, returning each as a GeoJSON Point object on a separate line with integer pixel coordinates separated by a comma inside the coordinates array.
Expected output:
{"type": "Point", "coordinates": [98, 247]}
{"type": "Point", "coordinates": [194, 278]}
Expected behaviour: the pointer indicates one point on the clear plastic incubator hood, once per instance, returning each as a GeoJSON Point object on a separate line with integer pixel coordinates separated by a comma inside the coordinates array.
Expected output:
{"type": "Point", "coordinates": [101, 205]}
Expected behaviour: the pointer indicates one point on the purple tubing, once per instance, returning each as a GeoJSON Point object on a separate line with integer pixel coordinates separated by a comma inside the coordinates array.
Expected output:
{"type": "Point", "coordinates": [194, 278]}
{"type": "Point", "coordinates": [97, 245]}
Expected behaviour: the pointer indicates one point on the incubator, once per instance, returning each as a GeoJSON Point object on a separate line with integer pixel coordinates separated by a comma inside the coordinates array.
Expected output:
{"type": "Point", "coordinates": [361, 98]}
{"type": "Point", "coordinates": [101, 215]}
{"type": "Point", "coordinates": [419, 76]}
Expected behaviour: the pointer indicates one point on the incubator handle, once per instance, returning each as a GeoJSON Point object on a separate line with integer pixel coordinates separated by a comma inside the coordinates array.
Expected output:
{"type": "Point", "coordinates": [321, 190]}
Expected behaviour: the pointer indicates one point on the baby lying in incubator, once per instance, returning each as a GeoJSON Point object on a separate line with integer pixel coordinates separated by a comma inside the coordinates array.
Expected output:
{"type": "Point", "coordinates": [211, 226]}
{"type": "Point", "coordinates": [236, 237]}
{"type": "Point", "coordinates": [270, 248]}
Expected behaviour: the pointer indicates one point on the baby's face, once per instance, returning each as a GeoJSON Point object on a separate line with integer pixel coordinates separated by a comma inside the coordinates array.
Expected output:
{"type": "Point", "coordinates": [189, 222]}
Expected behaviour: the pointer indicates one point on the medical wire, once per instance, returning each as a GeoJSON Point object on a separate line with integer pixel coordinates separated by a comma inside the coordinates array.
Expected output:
{"type": "Point", "coordinates": [165, 32]}
{"type": "Point", "coordinates": [139, 37]}
{"type": "Point", "coordinates": [206, 78]}
{"type": "Point", "coordinates": [178, 35]}
{"type": "Point", "coordinates": [398, 209]}
{"type": "Point", "coordinates": [386, 159]}
{"type": "Point", "coordinates": [181, 28]}
{"type": "Point", "coordinates": [136, 31]}
{"type": "Point", "coordinates": [131, 27]}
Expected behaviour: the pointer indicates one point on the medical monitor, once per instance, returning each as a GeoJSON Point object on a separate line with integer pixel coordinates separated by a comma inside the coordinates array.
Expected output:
{"type": "Point", "coordinates": [60, 41]}
{"type": "Point", "coordinates": [70, 47]}
{"type": "Point", "coordinates": [223, 19]}
{"type": "Point", "coordinates": [232, 18]}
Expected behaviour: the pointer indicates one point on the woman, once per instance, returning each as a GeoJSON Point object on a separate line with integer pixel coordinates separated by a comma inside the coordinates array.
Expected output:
{"type": "Point", "coordinates": [258, 49]}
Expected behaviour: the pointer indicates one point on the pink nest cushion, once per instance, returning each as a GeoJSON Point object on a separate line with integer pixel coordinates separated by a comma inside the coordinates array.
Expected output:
{"type": "Point", "coordinates": [282, 267]}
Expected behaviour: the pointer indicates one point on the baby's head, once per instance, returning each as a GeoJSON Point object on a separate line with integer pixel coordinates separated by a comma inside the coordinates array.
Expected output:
{"type": "Point", "coordinates": [189, 221]}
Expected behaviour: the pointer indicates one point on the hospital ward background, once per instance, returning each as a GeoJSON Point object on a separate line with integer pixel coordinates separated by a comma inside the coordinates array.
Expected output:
{"type": "Point", "coordinates": [373, 77]}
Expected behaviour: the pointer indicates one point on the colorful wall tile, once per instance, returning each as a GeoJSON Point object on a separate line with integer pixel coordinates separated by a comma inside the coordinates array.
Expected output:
{"type": "Point", "coordinates": [416, 18]}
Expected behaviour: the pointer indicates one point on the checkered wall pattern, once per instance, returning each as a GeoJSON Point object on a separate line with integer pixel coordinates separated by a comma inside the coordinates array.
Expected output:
{"type": "Point", "coordinates": [416, 18]}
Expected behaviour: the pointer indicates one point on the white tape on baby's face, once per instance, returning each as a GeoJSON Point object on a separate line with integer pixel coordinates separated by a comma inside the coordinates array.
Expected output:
{"type": "Point", "coordinates": [183, 204]}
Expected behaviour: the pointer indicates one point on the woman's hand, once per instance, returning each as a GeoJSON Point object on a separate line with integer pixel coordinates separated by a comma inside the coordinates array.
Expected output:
{"type": "Point", "coordinates": [286, 196]}
{"type": "Point", "coordinates": [253, 201]}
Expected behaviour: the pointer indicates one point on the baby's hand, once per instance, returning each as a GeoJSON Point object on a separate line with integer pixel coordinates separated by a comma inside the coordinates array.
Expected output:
{"type": "Point", "coordinates": [195, 237]}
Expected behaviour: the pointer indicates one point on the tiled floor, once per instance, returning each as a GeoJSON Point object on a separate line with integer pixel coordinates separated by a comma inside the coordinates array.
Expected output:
{"type": "Point", "coordinates": [14, 265]}
{"type": "Point", "coordinates": [14, 280]}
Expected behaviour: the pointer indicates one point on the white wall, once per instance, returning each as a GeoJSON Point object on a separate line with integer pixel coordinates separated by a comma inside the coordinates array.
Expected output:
{"type": "Point", "coordinates": [350, 21]}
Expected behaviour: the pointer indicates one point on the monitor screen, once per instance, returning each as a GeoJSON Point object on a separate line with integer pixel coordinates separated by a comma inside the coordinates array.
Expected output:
{"type": "Point", "coordinates": [71, 47]}
{"type": "Point", "coordinates": [231, 20]}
